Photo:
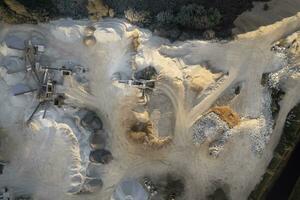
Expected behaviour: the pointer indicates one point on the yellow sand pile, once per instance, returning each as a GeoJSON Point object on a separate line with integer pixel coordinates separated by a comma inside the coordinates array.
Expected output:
{"type": "Point", "coordinates": [142, 132]}
{"type": "Point", "coordinates": [199, 77]}
{"type": "Point", "coordinates": [227, 115]}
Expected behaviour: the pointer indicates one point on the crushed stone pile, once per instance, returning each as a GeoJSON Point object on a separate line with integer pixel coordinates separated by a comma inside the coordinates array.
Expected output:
{"type": "Point", "coordinates": [209, 126]}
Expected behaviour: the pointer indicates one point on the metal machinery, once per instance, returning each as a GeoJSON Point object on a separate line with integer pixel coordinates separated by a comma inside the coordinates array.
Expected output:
{"type": "Point", "coordinates": [64, 70]}
{"type": "Point", "coordinates": [45, 85]}
{"type": "Point", "coordinates": [67, 71]}
{"type": "Point", "coordinates": [31, 53]}
{"type": "Point", "coordinates": [46, 93]}
{"type": "Point", "coordinates": [144, 80]}
{"type": "Point", "coordinates": [145, 86]}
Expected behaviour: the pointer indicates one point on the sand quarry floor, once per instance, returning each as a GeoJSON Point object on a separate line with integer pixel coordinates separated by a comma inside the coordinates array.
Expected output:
{"type": "Point", "coordinates": [47, 157]}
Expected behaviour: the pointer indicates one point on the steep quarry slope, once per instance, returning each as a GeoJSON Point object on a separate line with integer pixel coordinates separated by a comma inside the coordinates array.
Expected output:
{"type": "Point", "coordinates": [50, 155]}
{"type": "Point", "coordinates": [257, 17]}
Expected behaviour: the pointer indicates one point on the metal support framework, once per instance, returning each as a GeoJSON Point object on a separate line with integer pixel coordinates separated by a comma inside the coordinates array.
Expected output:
{"type": "Point", "coordinates": [34, 111]}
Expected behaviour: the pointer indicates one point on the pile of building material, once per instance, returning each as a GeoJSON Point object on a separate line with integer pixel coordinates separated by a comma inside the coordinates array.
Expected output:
{"type": "Point", "coordinates": [227, 115]}
{"type": "Point", "coordinates": [101, 156]}
{"type": "Point", "coordinates": [210, 126]}
{"type": "Point", "coordinates": [214, 127]}
{"type": "Point", "coordinates": [142, 132]}
{"type": "Point", "coordinates": [216, 146]}
{"type": "Point", "coordinates": [199, 78]}
{"type": "Point", "coordinates": [89, 39]}
{"type": "Point", "coordinates": [91, 123]}
{"type": "Point", "coordinates": [289, 46]}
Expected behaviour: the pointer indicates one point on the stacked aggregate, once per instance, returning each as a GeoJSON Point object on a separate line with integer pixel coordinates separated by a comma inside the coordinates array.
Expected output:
{"type": "Point", "coordinates": [208, 126]}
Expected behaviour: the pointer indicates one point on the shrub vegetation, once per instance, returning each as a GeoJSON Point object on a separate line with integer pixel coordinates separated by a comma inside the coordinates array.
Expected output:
{"type": "Point", "coordinates": [175, 18]}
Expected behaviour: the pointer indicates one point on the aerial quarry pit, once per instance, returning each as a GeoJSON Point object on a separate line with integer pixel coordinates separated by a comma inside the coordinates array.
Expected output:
{"type": "Point", "coordinates": [109, 111]}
